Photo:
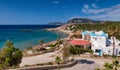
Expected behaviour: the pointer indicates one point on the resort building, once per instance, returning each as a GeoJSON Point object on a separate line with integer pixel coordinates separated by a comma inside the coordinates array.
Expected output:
{"type": "Point", "coordinates": [99, 42]}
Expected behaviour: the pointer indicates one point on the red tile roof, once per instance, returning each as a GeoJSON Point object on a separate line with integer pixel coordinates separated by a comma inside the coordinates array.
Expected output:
{"type": "Point", "coordinates": [79, 42]}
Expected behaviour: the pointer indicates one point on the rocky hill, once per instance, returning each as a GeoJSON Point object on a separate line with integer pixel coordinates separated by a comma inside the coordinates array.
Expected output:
{"type": "Point", "coordinates": [82, 20]}
{"type": "Point", "coordinates": [77, 21]}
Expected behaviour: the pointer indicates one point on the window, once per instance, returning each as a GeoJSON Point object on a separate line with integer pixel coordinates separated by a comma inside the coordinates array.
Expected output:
{"type": "Point", "coordinates": [119, 52]}
{"type": "Point", "coordinates": [97, 50]}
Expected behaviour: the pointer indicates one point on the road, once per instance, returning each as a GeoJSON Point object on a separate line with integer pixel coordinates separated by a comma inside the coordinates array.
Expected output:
{"type": "Point", "coordinates": [88, 64]}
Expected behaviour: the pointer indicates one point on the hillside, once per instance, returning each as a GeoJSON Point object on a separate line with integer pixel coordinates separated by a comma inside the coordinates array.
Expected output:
{"type": "Point", "coordinates": [112, 28]}
{"type": "Point", "coordinates": [82, 20]}
{"type": "Point", "coordinates": [76, 21]}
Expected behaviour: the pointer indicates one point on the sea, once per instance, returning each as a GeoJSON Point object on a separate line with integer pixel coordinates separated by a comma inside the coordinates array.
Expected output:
{"type": "Point", "coordinates": [24, 36]}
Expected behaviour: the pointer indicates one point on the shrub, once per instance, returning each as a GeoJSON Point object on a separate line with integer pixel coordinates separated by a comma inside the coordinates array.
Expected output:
{"type": "Point", "coordinates": [58, 60]}
{"type": "Point", "coordinates": [10, 56]}
{"type": "Point", "coordinates": [50, 63]}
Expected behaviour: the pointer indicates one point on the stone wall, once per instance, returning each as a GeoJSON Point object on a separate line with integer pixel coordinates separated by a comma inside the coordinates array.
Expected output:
{"type": "Point", "coordinates": [50, 67]}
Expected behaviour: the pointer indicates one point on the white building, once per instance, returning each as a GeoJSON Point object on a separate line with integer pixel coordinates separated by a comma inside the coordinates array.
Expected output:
{"type": "Point", "coordinates": [100, 43]}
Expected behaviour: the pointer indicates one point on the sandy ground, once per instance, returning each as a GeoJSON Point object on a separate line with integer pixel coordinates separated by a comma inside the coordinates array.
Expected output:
{"type": "Point", "coordinates": [44, 58]}
{"type": "Point", "coordinates": [37, 59]}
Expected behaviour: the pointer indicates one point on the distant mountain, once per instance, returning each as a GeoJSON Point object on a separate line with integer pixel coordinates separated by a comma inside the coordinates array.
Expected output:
{"type": "Point", "coordinates": [55, 23]}
{"type": "Point", "coordinates": [82, 20]}
{"type": "Point", "coordinates": [77, 21]}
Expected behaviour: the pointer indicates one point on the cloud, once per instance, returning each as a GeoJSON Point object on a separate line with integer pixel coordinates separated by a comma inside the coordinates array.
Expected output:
{"type": "Point", "coordinates": [106, 17]}
{"type": "Point", "coordinates": [111, 13]}
{"type": "Point", "coordinates": [55, 2]}
{"type": "Point", "coordinates": [94, 5]}
{"type": "Point", "coordinates": [104, 10]}
{"type": "Point", "coordinates": [86, 6]}
{"type": "Point", "coordinates": [88, 10]}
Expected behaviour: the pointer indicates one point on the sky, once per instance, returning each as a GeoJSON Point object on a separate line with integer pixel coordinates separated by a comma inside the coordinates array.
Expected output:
{"type": "Point", "coordinates": [45, 11]}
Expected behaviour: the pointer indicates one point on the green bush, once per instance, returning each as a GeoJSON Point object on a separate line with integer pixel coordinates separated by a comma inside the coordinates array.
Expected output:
{"type": "Point", "coordinates": [10, 56]}
{"type": "Point", "coordinates": [58, 60]}
{"type": "Point", "coordinates": [50, 63]}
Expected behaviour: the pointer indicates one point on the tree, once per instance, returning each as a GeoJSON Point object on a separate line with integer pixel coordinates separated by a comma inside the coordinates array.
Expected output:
{"type": "Point", "coordinates": [58, 60]}
{"type": "Point", "coordinates": [41, 42]}
{"type": "Point", "coordinates": [72, 51]}
{"type": "Point", "coordinates": [113, 46]}
{"type": "Point", "coordinates": [66, 53]}
{"type": "Point", "coordinates": [10, 56]}
{"type": "Point", "coordinates": [91, 52]}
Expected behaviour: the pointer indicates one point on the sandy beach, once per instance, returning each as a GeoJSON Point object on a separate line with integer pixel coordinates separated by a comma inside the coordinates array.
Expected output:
{"type": "Point", "coordinates": [61, 29]}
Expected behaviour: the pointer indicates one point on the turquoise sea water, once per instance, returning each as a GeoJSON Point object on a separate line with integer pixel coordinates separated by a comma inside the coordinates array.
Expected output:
{"type": "Point", "coordinates": [27, 36]}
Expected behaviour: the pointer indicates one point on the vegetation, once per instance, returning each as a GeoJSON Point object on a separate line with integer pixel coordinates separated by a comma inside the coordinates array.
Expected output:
{"type": "Point", "coordinates": [78, 50]}
{"type": "Point", "coordinates": [52, 47]}
{"type": "Point", "coordinates": [59, 42]}
{"type": "Point", "coordinates": [10, 56]}
{"type": "Point", "coordinates": [72, 51]}
{"type": "Point", "coordinates": [112, 28]}
{"type": "Point", "coordinates": [41, 42]}
{"type": "Point", "coordinates": [58, 60]}
{"type": "Point", "coordinates": [110, 66]}
{"type": "Point", "coordinates": [66, 53]}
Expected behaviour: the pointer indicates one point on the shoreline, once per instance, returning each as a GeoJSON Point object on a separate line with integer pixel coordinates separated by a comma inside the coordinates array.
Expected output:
{"type": "Point", "coordinates": [57, 29]}
{"type": "Point", "coordinates": [60, 29]}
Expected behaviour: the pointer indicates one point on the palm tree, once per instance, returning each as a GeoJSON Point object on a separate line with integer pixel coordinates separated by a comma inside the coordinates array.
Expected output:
{"type": "Point", "coordinates": [66, 53]}
{"type": "Point", "coordinates": [113, 46]}
{"type": "Point", "coordinates": [41, 42]}
{"type": "Point", "coordinates": [111, 31]}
